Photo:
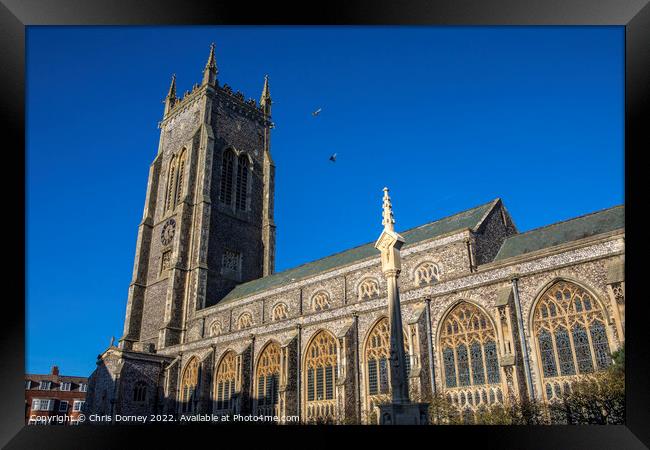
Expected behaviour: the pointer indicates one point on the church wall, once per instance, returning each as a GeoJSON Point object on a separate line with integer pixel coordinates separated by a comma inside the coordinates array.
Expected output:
{"type": "Point", "coordinates": [591, 275]}
{"type": "Point", "coordinates": [152, 315]}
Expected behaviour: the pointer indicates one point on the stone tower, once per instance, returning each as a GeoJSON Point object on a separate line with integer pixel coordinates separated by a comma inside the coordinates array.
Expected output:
{"type": "Point", "coordinates": [208, 214]}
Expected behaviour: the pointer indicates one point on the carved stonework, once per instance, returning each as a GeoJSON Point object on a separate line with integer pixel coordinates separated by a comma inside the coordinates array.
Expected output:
{"type": "Point", "coordinates": [619, 293]}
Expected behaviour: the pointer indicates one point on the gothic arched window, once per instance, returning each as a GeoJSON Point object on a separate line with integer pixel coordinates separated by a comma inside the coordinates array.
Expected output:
{"type": "Point", "coordinates": [225, 384]}
{"type": "Point", "coordinates": [571, 337]}
{"type": "Point", "coordinates": [140, 391]}
{"type": "Point", "coordinates": [242, 183]}
{"type": "Point", "coordinates": [280, 312]}
{"type": "Point", "coordinates": [189, 383]}
{"type": "Point", "coordinates": [470, 361]}
{"type": "Point", "coordinates": [245, 321]}
{"type": "Point", "coordinates": [216, 329]}
{"type": "Point", "coordinates": [320, 374]}
{"type": "Point", "coordinates": [171, 182]}
{"type": "Point", "coordinates": [426, 273]}
{"type": "Point", "coordinates": [180, 177]}
{"type": "Point", "coordinates": [368, 288]}
{"type": "Point", "coordinates": [377, 361]}
{"type": "Point", "coordinates": [320, 301]}
{"type": "Point", "coordinates": [268, 379]}
{"type": "Point", "coordinates": [227, 175]}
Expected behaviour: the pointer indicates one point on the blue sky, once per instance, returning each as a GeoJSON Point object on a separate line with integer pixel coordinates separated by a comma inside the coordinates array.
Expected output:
{"type": "Point", "coordinates": [447, 117]}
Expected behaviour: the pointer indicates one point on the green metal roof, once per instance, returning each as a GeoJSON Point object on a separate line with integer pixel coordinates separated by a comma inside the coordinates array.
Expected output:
{"type": "Point", "coordinates": [470, 218]}
{"type": "Point", "coordinates": [562, 232]}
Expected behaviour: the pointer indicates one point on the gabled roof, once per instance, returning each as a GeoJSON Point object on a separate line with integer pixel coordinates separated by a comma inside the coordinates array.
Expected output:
{"type": "Point", "coordinates": [471, 218]}
{"type": "Point", "coordinates": [558, 233]}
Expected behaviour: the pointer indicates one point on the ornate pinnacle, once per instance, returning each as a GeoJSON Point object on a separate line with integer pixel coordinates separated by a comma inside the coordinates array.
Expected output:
{"type": "Point", "coordinates": [210, 71]}
{"type": "Point", "coordinates": [212, 63]}
{"type": "Point", "coordinates": [387, 214]}
{"type": "Point", "coordinates": [266, 93]}
{"type": "Point", "coordinates": [172, 88]}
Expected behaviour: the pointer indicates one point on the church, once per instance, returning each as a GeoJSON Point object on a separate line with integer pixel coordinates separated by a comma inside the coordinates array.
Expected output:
{"type": "Point", "coordinates": [489, 314]}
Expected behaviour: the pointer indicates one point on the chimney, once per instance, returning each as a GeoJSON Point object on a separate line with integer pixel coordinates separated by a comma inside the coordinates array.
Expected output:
{"type": "Point", "coordinates": [55, 370]}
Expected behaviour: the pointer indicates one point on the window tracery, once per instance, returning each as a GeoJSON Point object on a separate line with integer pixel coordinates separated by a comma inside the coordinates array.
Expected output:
{"type": "Point", "coordinates": [378, 360]}
{"type": "Point", "coordinates": [470, 360]}
{"type": "Point", "coordinates": [320, 374]}
{"type": "Point", "coordinates": [280, 312]}
{"type": "Point", "coordinates": [320, 301]}
{"type": "Point", "coordinates": [426, 273]}
{"type": "Point", "coordinates": [189, 383]}
{"type": "Point", "coordinates": [268, 378]}
{"type": "Point", "coordinates": [571, 337]}
{"type": "Point", "coordinates": [216, 329]}
{"type": "Point", "coordinates": [368, 289]}
{"type": "Point", "coordinates": [225, 384]}
{"type": "Point", "coordinates": [245, 321]}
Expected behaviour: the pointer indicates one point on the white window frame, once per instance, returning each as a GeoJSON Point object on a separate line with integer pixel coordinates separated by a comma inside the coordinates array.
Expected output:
{"type": "Point", "coordinates": [65, 384]}
{"type": "Point", "coordinates": [77, 405]}
{"type": "Point", "coordinates": [62, 403]}
{"type": "Point", "coordinates": [38, 404]}
{"type": "Point", "coordinates": [28, 384]}
{"type": "Point", "coordinates": [83, 387]}
{"type": "Point", "coordinates": [41, 385]}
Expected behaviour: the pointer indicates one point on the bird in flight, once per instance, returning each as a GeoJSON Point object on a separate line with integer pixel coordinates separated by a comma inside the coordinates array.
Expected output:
{"type": "Point", "coordinates": [333, 157]}
{"type": "Point", "coordinates": [317, 112]}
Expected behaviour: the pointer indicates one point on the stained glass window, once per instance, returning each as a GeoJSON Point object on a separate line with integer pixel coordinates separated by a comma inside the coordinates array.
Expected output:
{"type": "Point", "coordinates": [583, 351]}
{"type": "Point", "coordinates": [478, 377]}
{"type": "Point", "coordinates": [463, 365]}
{"type": "Point", "coordinates": [450, 367]}
{"type": "Point", "coordinates": [225, 381]}
{"type": "Point", "coordinates": [547, 354]}
{"type": "Point", "coordinates": [601, 346]}
{"type": "Point", "coordinates": [564, 352]}
{"type": "Point", "coordinates": [492, 362]}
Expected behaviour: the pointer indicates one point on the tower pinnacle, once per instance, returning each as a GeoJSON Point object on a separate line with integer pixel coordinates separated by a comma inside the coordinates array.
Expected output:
{"type": "Point", "coordinates": [170, 100]}
{"type": "Point", "coordinates": [210, 71]}
{"type": "Point", "coordinates": [265, 99]}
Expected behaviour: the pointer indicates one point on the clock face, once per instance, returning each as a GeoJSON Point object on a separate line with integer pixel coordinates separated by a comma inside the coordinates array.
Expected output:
{"type": "Point", "coordinates": [168, 230]}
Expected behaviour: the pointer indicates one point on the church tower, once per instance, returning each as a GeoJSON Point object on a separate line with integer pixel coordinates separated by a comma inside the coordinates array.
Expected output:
{"type": "Point", "coordinates": [208, 214]}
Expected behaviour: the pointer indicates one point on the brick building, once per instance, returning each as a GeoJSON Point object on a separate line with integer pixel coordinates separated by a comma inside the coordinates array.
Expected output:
{"type": "Point", "coordinates": [490, 314]}
{"type": "Point", "coordinates": [54, 397]}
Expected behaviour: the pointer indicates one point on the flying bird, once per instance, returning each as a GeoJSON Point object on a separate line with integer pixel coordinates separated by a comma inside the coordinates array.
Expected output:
{"type": "Point", "coordinates": [317, 112]}
{"type": "Point", "coordinates": [333, 157]}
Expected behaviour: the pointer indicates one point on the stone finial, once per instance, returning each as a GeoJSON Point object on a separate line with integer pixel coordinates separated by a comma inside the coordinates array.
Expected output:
{"type": "Point", "coordinates": [265, 99]}
{"type": "Point", "coordinates": [112, 341]}
{"type": "Point", "coordinates": [172, 88]}
{"type": "Point", "coordinates": [171, 99]}
{"type": "Point", "coordinates": [387, 214]}
{"type": "Point", "coordinates": [210, 71]}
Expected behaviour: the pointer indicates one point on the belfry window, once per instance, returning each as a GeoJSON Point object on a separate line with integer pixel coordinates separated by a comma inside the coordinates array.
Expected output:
{"type": "Point", "coordinates": [570, 333]}
{"type": "Point", "coordinates": [242, 183]}
{"type": "Point", "coordinates": [268, 380]}
{"type": "Point", "coordinates": [171, 181]}
{"type": "Point", "coordinates": [227, 176]}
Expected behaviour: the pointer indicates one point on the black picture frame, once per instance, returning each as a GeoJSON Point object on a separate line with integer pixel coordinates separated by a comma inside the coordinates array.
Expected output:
{"type": "Point", "coordinates": [634, 15]}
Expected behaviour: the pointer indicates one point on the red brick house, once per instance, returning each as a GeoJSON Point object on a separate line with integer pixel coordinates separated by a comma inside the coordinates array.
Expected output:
{"type": "Point", "coordinates": [54, 399]}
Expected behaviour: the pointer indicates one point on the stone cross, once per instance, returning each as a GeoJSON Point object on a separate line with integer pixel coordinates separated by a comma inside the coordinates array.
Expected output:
{"type": "Point", "coordinates": [389, 244]}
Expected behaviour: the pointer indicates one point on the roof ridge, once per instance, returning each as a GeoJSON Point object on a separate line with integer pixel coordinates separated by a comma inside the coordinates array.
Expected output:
{"type": "Point", "coordinates": [367, 243]}
{"type": "Point", "coordinates": [566, 220]}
